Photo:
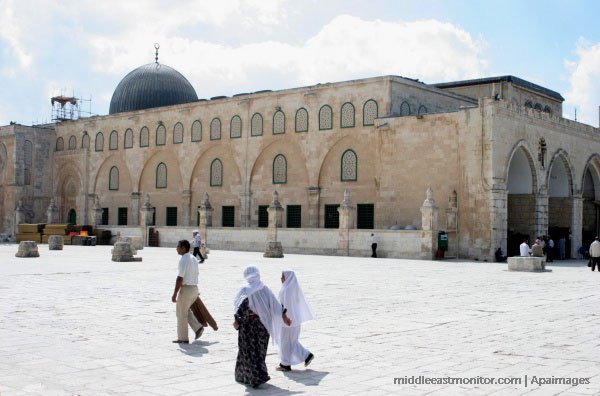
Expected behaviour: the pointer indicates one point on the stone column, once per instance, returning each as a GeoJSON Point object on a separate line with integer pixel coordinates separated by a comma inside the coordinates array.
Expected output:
{"type": "Point", "coordinates": [499, 213]}
{"type": "Point", "coordinates": [52, 212]}
{"type": "Point", "coordinates": [19, 216]}
{"type": "Point", "coordinates": [347, 218]}
{"type": "Point", "coordinates": [274, 248]}
{"type": "Point", "coordinates": [429, 228]}
{"type": "Point", "coordinates": [147, 212]}
{"type": "Point", "coordinates": [314, 193]}
{"type": "Point", "coordinates": [96, 212]}
{"type": "Point", "coordinates": [541, 214]}
{"type": "Point", "coordinates": [205, 213]}
{"type": "Point", "coordinates": [245, 209]}
{"type": "Point", "coordinates": [186, 199]}
{"type": "Point", "coordinates": [135, 209]}
{"type": "Point", "coordinates": [576, 223]}
{"type": "Point", "coordinates": [452, 224]}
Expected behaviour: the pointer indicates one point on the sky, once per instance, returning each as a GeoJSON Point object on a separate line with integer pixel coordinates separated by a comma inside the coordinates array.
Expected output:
{"type": "Point", "coordinates": [84, 48]}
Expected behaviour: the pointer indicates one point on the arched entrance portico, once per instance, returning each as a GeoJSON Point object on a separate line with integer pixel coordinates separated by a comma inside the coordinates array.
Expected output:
{"type": "Point", "coordinates": [560, 202]}
{"type": "Point", "coordinates": [521, 199]}
{"type": "Point", "coordinates": [591, 202]}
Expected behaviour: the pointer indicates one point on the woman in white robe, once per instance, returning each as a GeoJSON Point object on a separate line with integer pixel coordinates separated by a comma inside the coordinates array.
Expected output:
{"type": "Point", "coordinates": [291, 352]}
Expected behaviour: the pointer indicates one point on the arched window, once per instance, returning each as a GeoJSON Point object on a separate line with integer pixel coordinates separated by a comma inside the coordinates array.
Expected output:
{"type": "Point", "coordinates": [547, 109]}
{"type": "Point", "coordinates": [215, 129]}
{"type": "Point", "coordinates": [178, 133]}
{"type": "Point", "coordinates": [161, 175]}
{"type": "Point", "coordinates": [235, 127]}
{"type": "Point", "coordinates": [370, 112]}
{"type": "Point", "coordinates": [302, 120]}
{"type": "Point", "coordinates": [72, 142]}
{"type": "Point", "coordinates": [196, 131]}
{"type": "Point", "coordinates": [128, 141]}
{"type": "Point", "coordinates": [529, 103]}
{"type": "Point", "coordinates": [349, 166]}
{"type": "Point", "coordinates": [347, 115]}
{"type": "Point", "coordinates": [144, 137]}
{"type": "Point", "coordinates": [256, 125]}
{"type": "Point", "coordinates": [113, 178]}
{"type": "Point", "coordinates": [538, 107]}
{"type": "Point", "coordinates": [99, 144]}
{"type": "Point", "coordinates": [161, 135]}
{"type": "Point", "coordinates": [422, 110]}
{"type": "Point", "coordinates": [278, 122]}
{"type": "Point", "coordinates": [113, 141]}
{"type": "Point", "coordinates": [404, 109]}
{"type": "Point", "coordinates": [325, 118]}
{"type": "Point", "coordinates": [85, 140]}
{"type": "Point", "coordinates": [60, 144]}
{"type": "Point", "coordinates": [28, 157]}
{"type": "Point", "coordinates": [216, 173]}
{"type": "Point", "coordinates": [279, 169]}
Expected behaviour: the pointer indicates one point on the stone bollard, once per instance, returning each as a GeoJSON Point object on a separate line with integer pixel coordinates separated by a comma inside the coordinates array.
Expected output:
{"type": "Point", "coordinates": [123, 252]}
{"type": "Point", "coordinates": [28, 249]}
{"type": "Point", "coordinates": [55, 242]}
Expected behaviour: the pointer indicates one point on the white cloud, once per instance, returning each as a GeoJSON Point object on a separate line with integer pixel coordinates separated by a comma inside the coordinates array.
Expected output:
{"type": "Point", "coordinates": [584, 93]}
{"type": "Point", "coordinates": [12, 33]}
{"type": "Point", "coordinates": [346, 48]}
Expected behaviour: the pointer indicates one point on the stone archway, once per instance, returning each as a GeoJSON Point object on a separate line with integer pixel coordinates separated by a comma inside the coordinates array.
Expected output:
{"type": "Point", "coordinates": [590, 193]}
{"type": "Point", "coordinates": [560, 201]}
{"type": "Point", "coordinates": [521, 200]}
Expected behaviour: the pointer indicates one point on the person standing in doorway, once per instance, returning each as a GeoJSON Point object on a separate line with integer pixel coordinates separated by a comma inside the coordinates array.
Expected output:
{"type": "Point", "coordinates": [197, 244]}
{"type": "Point", "coordinates": [550, 249]}
{"type": "Point", "coordinates": [186, 292]}
{"type": "Point", "coordinates": [374, 242]}
{"type": "Point", "coordinates": [595, 254]}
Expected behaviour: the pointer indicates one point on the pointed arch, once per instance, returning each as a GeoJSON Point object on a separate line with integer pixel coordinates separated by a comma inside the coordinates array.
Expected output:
{"type": "Point", "coordinates": [99, 142]}
{"type": "Point", "coordinates": [128, 139]}
{"type": "Point", "coordinates": [559, 184]}
{"type": "Point", "coordinates": [370, 112]}
{"type": "Point", "coordinates": [278, 122]}
{"type": "Point", "coordinates": [113, 141]}
{"type": "Point", "coordinates": [347, 115]}
{"type": "Point", "coordinates": [72, 142]}
{"type": "Point", "coordinates": [178, 133]}
{"type": "Point", "coordinates": [522, 147]}
{"type": "Point", "coordinates": [301, 123]}
{"type": "Point", "coordinates": [279, 169]}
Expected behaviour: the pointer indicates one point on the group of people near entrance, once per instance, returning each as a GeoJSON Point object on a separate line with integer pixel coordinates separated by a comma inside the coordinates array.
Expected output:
{"type": "Point", "coordinates": [258, 313]}
{"type": "Point", "coordinates": [543, 247]}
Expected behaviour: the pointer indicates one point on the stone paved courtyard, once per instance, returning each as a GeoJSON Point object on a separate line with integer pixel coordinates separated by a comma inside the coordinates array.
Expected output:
{"type": "Point", "coordinates": [76, 323]}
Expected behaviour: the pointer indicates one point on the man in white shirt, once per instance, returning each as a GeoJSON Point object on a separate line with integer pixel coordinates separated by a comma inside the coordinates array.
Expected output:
{"type": "Point", "coordinates": [197, 245]}
{"type": "Point", "coordinates": [595, 254]}
{"type": "Point", "coordinates": [186, 285]}
{"type": "Point", "coordinates": [374, 242]}
{"type": "Point", "coordinates": [524, 248]}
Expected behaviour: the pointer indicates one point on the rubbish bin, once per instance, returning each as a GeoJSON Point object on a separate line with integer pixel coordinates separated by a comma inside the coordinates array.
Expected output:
{"type": "Point", "coordinates": [442, 243]}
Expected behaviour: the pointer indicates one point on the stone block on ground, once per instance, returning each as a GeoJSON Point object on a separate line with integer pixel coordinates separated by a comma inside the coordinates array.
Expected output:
{"type": "Point", "coordinates": [28, 249]}
{"type": "Point", "coordinates": [273, 250]}
{"type": "Point", "coordinates": [55, 242]}
{"type": "Point", "coordinates": [122, 251]}
{"type": "Point", "coordinates": [526, 264]}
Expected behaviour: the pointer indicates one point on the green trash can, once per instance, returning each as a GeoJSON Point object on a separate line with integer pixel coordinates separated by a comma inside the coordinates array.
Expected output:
{"type": "Point", "coordinates": [442, 241]}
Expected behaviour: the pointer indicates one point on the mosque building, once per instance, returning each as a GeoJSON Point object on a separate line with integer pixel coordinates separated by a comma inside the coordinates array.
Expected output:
{"type": "Point", "coordinates": [496, 155]}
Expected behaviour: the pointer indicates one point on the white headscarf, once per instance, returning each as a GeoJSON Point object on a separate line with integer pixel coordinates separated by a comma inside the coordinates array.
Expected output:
{"type": "Point", "coordinates": [292, 298]}
{"type": "Point", "coordinates": [262, 302]}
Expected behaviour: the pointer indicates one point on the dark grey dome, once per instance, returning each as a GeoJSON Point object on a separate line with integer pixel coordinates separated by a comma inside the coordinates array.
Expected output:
{"type": "Point", "coordinates": [149, 86]}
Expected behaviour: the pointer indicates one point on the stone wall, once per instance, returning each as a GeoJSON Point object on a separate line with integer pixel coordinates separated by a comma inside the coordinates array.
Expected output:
{"type": "Point", "coordinates": [521, 213]}
{"type": "Point", "coordinates": [392, 244]}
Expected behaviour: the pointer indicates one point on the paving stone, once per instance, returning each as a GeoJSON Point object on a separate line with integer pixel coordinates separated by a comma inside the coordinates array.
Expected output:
{"type": "Point", "coordinates": [74, 322]}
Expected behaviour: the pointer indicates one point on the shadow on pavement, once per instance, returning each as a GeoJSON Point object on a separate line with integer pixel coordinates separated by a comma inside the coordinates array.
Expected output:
{"type": "Point", "coordinates": [196, 348]}
{"type": "Point", "coordinates": [307, 377]}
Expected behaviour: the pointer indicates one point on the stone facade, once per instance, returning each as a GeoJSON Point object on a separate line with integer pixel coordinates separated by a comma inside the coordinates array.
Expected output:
{"type": "Point", "coordinates": [498, 166]}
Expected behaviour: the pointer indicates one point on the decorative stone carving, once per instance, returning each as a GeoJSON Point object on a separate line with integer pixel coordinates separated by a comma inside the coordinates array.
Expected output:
{"type": "Point", "coordinates": [19, 213]}
{"type": "Point", "coordinates": [28, 249]}
{"type": "Point", "coordinates": [429, 226]}
{"type": "Point", "coordinates": [275, 210]}
{"type": "Point", "coordinates": [147, 212]}
{"type": "Point", "coordinates": [97, 211]}
{"type": "Point", "coordinates": [347, 221]}
{"type": "Point", "coordinates": [55, 242]}
{"type": "Point", "coordinates": [52, 212]}
{"type": "Point", "coordinates": [205, 221]}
